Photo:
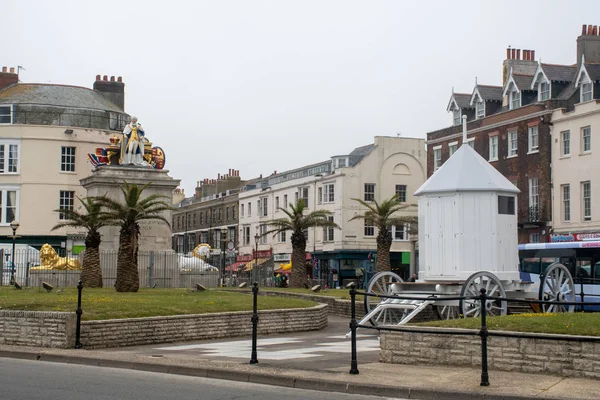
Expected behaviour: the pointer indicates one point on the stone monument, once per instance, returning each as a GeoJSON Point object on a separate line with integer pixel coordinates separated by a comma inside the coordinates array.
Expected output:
{"type": "Point", "coordinates": [125, 161]}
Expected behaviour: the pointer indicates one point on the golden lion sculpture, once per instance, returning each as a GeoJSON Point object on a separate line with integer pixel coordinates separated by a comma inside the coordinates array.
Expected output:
{"type": "Point", "coordinates": [50, 260]}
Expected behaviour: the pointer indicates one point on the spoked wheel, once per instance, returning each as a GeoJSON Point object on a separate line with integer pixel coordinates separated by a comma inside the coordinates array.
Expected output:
{"type": "Point", "coordinates": [556, 284]}
{"type": "Point", "coordinates": [493, 288]}
{"type": "Point", "coordinates": [381, 284]}
{"type": "Point", "coordinates": [447, 312]}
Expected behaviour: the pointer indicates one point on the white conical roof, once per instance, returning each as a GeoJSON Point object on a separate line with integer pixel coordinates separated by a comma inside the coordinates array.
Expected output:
{"type": "Point", "coordinates": [466, 171]}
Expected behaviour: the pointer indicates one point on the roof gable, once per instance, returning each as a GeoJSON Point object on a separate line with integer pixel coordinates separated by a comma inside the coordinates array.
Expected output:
{"type": "Point", "coordinates": [466, 171]}
{"type": "Point", "coordinates": [538, 76]}
{"type": "Point", "coordinates": [486, 93]}
{"type": "Point", "coordinates": [459, 100]}
{"type": "Point", "coordinates": [521, 82]}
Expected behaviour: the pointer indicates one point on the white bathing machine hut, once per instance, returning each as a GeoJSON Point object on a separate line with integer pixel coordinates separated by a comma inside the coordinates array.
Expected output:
{"type": "Point", "coordinates": [467, 221]}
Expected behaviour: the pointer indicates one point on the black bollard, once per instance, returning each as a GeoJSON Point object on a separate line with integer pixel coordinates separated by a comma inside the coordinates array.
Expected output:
{"type": "Point", "coordinates": [78, 312]}
{"type": "Point", "coordinates": [253, 357]}
{"type": "Point", "coordinates": [353, 326]}
{"type": "Point", "coordinates": [485, 379]}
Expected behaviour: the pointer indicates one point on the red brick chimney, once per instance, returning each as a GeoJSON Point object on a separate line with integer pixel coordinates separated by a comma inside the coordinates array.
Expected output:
{"type": "Point", "coordinates": [112, 90]}
{"type": "Point", "coordinates": [588, 44]}
{"type": "Point", "coordinates": [8, 78]}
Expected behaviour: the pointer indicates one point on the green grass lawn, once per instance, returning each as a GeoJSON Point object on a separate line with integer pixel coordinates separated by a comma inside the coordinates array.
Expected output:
{"type": "Point", "coordinates": [587, 324]}
{"type": "Point", "coordinates": [108, 304]}
{"type": "Point", "coordinates": [339, 293]}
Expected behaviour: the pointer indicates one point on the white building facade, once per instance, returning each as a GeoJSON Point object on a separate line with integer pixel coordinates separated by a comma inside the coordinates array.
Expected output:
{"type": "Point", "coordinates": [46, 132]}
{"type": "Point", "coordinates": [576, 172]}
{"type": "Point", "coordinates": [389, 166]}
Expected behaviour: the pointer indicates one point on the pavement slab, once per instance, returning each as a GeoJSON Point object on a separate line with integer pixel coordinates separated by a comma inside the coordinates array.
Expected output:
{"type": "Point", "coordinates": [320, 361]}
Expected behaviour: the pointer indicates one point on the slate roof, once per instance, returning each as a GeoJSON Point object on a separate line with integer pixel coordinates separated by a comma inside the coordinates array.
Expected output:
{"type": "Point", "coordinates": [593, 70]}
{"type": "Point", "coordinates": [560, 73]}
{"type": "Point", "coordinates": [358, 153]}
{"type": "Point", "coordinates": [492, 93]}
{"type": "Point", "coordinates": [463, 100]}
{"type": "Point", "coordinates": [567, 92]}
{"type": "Point", "coordinates": [466, 171]}
{"type": "Point", "coordinates": [523, 82]}
{"type": "Point", "coordinates": [56, 95]}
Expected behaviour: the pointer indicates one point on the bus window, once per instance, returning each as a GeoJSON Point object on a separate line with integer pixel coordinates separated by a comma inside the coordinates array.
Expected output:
{"type": "Point", "coordinates": [531, 265]}
{"type": "Point", "coordinates": [583, 268]}
{"type": "Point", "coordinates": [548, 261]}
{"type": "Point", "coordinates": [597, 272]}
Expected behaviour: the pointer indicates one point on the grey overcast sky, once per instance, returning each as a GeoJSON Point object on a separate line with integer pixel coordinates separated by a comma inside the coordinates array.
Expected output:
{"type": "Point", "coordinates": [274, 85]}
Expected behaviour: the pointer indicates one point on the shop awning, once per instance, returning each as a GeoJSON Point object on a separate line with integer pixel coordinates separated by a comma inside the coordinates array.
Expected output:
{"type": "Point", "coordinates": [250, 264]}
{"type": "Point", "coordinates": [235, 266]}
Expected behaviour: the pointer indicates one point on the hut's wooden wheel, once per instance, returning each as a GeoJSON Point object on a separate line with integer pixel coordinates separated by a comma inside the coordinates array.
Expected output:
{"type": "Point", "coordinates": [556, 284]}
{"type": "Point", "coordinates": [381, 284]}
{"type": "Point", "coordinates": [471, 288]}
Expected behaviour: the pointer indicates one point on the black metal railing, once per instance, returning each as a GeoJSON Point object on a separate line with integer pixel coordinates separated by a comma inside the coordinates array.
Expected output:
{"type": "Point", "coordinates": [534, 214]}
{"type": "Point", "coordinates": [483, 332]}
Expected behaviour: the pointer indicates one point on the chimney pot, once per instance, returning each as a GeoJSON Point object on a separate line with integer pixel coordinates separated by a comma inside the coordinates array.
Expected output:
{"type": "Point", "coordinates": [525, 54]}
{"type": "Point", "coordinates": [98, 77]}
{"type": "Point", "coordinates": [589, 31]}
{"type": "Point", "coordinates": [12, 70]}
{"type": "Point", "coordinates": [4, 69]}
{"type": "Point", "coordinates": [105, 78]}
{"type": "Point", "coordinates": [532, 55]}
{"type": "Point", "coordinates": [595, 30]}
{"type": "Point", "coordinates": [513, 54]}
{"type": "Point", "coordinates": [518, 54]}
{"type": "Point", "coordinates": [508, 54]}
{"type": "Point", "coordinates": [583, 30]}
{"type": "Point", "coordinates": [112, 78]}
{"type": "Point", "coordinates": [120, 79]}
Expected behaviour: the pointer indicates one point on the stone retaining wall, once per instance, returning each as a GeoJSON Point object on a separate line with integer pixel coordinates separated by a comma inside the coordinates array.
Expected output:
{"type": "Point", "coordinates": [179, 328]}
{"type": "Point", "coordinates": [533, 353]}
{"type": "Point", "coordinates": [339, 307]}
{"type": "Point", "coordinates": [37, 328]}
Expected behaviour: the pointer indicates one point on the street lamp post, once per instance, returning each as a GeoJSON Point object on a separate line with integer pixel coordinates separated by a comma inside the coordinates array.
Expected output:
{"type": "Point", "coordinates": [256, 238]}
{"type": "Point", "coordinates": [14, 226]}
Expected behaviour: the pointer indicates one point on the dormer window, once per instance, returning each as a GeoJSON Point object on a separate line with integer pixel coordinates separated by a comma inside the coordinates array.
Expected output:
{"type": "Point", "coordinates": [586, 91]}
{"type": "Point", "coordinates": [544, 91]}
{"type": "Point", "coordinates": [5, 114]}
{"type": "Point", "coordinates": [456, 114]}
{"type": "Point", "coordinates": [515, 98]}
{"type": "Point", "coordinates": [585, 84]}
{"type": "Point", "coordinates": [479, 109]}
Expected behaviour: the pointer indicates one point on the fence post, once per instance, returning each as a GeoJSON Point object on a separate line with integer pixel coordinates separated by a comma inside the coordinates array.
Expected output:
{"type": "Point", "coordinates": [485, 379]}
{"type": "Point", "coordinates": [581, 293]}
{"type": "Point", "coordinates": [78, 312]}
{"type": "Point", "coordinates": [253, 356]}
{"type": "Point", "coordinates": [353, 326]}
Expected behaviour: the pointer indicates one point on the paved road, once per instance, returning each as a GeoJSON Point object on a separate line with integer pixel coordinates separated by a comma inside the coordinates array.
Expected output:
{"type": "Point", "coordinates": [326, 349]}
{"type": "Point", "coordinates": [34, 380]}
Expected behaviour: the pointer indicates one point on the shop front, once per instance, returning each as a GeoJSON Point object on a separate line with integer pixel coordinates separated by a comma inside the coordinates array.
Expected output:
{"type": "Point", "coordinates": [338, 268]}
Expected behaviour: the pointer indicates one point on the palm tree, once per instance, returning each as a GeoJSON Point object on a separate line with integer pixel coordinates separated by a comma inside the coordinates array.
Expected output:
{"type": "Point", "coordinates": [381, 216]}
{"type": "Point", "coordinates": [92, 221]}
{"type": "Point", "coordinates": [297, 222]}
{"type": "Point", "coordinates": [127, 215]}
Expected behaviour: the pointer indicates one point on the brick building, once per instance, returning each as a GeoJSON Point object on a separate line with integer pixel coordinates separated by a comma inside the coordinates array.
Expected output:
{"type": "Point", "coordinates": [511, 126]}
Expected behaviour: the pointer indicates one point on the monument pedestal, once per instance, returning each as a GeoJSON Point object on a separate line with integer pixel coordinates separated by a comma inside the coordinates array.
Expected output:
{"type": "Point", "coordinates": [155, 235]}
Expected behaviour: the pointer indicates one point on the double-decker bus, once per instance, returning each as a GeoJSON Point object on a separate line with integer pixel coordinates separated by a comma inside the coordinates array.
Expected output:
{"type": "Point", "coordinates": [581, 258]}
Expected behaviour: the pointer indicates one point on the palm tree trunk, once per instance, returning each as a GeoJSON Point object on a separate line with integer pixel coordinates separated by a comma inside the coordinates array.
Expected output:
{"type": "Point", "coordinates": [298, 278]}
{"type": "Point", "coordinates": [127, 271]}
{"type": "Point", "coordinates": [384, 243]}
{"type": "Point", "coordinates": [91, 273]}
